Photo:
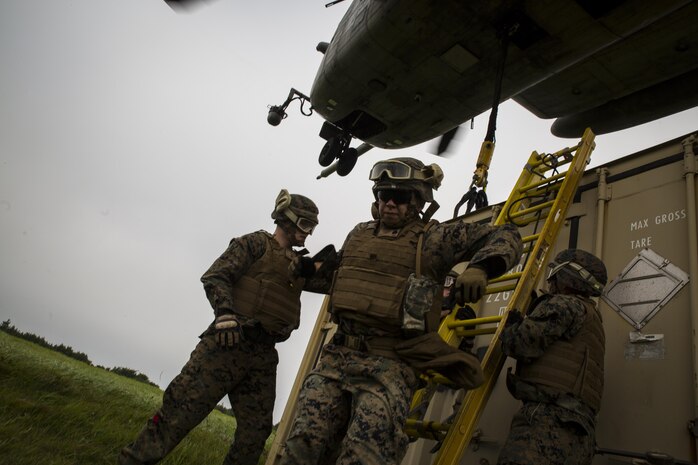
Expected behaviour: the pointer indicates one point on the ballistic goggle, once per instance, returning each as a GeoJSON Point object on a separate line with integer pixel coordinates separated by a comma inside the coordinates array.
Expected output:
{"type": "Point", "coordinates": [304, 224]}
{"type": "Point", "coordinates": [395, 169]}
{"type": "Point", "coordinates": [580, 270]}
{"type": "Point", "coordinates": [396, 195]}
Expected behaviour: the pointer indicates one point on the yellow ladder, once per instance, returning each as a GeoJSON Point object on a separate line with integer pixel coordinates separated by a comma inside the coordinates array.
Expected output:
{"type": "Point", "coordinates": [535, 198]}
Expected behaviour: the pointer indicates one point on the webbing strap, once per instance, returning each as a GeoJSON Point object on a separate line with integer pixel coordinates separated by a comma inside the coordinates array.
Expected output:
{"type": "Point", "coordinates": [420, 241]}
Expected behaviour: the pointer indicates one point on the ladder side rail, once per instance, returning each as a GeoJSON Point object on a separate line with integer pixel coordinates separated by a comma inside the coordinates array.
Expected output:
{"type": "Point", "coordinates": [308, 362]}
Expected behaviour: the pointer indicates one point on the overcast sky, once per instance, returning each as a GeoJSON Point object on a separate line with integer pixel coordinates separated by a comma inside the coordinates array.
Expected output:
{"type": "Point", "coordinates": [134, 146]}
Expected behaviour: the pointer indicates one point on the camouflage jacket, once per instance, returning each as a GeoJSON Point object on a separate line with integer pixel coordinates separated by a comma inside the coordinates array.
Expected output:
{"type": "Point", "coordinates": [552, 318]}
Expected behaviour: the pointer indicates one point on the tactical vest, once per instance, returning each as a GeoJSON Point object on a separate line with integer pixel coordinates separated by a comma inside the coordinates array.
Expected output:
{"type": "Point", "coordinates": [576, 366]}
{"type": "Point", "coordinates": [372, 278]}
{"type": "Point", "coordinates": [268, 293]}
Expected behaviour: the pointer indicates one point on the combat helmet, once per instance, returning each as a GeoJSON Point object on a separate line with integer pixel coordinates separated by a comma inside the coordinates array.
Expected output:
{"type": "Point", "coordinates": [579, 271]}
{"type": "Point", "coordinates": [406, 173]}
{"type": "Point", "coordinates": [297, 209]}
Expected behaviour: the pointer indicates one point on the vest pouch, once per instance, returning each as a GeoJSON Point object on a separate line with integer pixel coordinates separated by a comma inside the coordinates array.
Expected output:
{"type": "Point", "coordinates": [372, 293]}
{"type": "Point", "coordinates": [419, 298]}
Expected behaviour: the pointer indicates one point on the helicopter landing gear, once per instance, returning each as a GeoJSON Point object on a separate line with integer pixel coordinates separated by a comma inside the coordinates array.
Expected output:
{"type": "Point", "coordinates": [347, 160]}
{"type": "Point", "coordinates": [337, 147]}
{"type": "Point", "coordinates": [331, 150]}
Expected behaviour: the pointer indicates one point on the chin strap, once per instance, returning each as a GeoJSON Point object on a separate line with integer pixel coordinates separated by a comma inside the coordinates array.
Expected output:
{"type": "Point", "coordinates": [374, 210]}
{"type": "Point", "coordinates": [429, 212]}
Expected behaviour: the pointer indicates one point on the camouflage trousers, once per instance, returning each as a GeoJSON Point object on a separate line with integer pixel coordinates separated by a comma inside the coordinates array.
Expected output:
{"type": "Point", "coordinates": [351, 411]}
{"type": "Point", "coordinates": [246, 374]}
{"type": "Point", "coordinates": [545, 434]}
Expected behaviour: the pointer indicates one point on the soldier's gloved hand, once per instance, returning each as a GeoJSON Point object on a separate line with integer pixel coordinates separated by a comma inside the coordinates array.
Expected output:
{"type": "Point", "coordinates": [470, 285]}
{"type": "Point", "coordinates": [227, 331]}
{"type": "Point", "coordinates": [513, 317]}
{"type": "Point", "coordinates": [303, 267]}
{"type": "Point", "coordinates": [328, 253]}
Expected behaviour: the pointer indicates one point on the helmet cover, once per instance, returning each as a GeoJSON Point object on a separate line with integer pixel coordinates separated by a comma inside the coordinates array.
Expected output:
{"type": "Point", "coordinates": [579, 271]}
{"type": "Point", "coordinates": [408, 174]}
{"type": "Point", "coordinates": [296, 208]}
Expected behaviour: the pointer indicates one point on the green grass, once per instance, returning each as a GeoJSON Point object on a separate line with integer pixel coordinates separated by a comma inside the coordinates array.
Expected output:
{"type": "Point", "coordinates": [55, 410]}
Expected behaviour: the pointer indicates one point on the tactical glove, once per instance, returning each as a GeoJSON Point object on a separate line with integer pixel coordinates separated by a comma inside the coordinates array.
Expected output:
{"type": "Point", "coordinates": [513, 317]}
{"type": "Point", "coordinates": [302, 267]}
{"type": "Point", "coordinates": [306, 267]}
{"type": "Point", "coordinates": [328, 253]}
{"type": "Point", "coordinates": [470, 285]}
{"type": "Point", "coordinates": [468, 342]}
{"type": "Point", "coordinates": [227, 331]}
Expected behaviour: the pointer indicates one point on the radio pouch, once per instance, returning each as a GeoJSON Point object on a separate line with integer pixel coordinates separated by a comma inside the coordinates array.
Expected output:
{"type": "Point", "coordinates": [419, 298]}
{"type": "Point", "coordinates": [419, 294]}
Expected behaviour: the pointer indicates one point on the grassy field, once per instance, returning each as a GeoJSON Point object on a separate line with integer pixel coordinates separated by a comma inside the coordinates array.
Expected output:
{"type": "Point", "coordinates": [55, 410]}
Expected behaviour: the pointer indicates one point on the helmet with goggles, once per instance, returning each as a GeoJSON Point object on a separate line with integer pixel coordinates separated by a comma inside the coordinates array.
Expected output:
{"type": "Point", "coordinates": [579, 271]}
{"type": "Point", "coordinates": [406, 174]}
{"type": "Point", "coordinates": [297, 209]}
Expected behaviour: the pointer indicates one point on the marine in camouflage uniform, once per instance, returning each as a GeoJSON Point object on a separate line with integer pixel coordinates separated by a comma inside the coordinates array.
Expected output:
{"type": "Point", "coordinates": [559, 348]}
{"type": "Point", "coordinates": [386, 297]}
{"type": "Point", "coordinates": [256, 300]}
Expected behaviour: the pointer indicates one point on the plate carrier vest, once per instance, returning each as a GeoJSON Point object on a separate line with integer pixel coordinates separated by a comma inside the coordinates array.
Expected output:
{"type": "Point", "coordinates": [576, 366]}
{"type": "Point", "coordinates": [372, 278]}
{"type": "Point", "coordinates": [268, 293]}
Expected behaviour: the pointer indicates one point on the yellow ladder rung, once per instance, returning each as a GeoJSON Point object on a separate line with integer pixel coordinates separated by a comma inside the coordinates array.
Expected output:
{"type": "Point", "coordinates": [494, 290]}
{"type": "Point", "coordinates": [543, 159]}
{"type": "Point", "coordinates": [475, 321]}
{"type": "Point", "coordinates": [543, 165]}
{"type": "Point", "coordinates": [524, 220]}
{"type": "Point", "coordinates": [427, 425]}
{"type": "Point", "coordinates": [506, 277]}
{"type": "Point", "coordinates": [542, 182]}
{"type": "Point", "coordinates": [527, 221]}
{"type": "Point", "coordinates": [531, 238]}
{"type": "Point", "coordinates": [424, 428]}
{"type": "Point", "coordinates": [545, 190]}
{"type": "Point", "coordinates": [567, 151]}
{"type": "Point", "coordinates": [533, 209]}
{"type": "Point", "coordinates": [475, 332]}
